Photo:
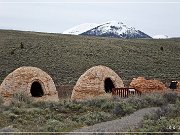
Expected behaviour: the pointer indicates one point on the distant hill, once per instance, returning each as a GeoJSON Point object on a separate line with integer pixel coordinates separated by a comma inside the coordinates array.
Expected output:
{"type": "Point", "coordinates": [66, 57]}
{"type": "Point", "coordinates": [80, 28]}
{"type": "Point", "coordinates": [113, 29]}
{"type": "Point", "coordinates": [160, 37]}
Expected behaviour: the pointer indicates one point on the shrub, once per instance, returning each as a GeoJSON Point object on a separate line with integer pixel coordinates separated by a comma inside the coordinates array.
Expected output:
{"type": "Point", "coordinates": [95, 102]}
{"type": "Point", "coordinates": [154, 99]}
{"type": "Point", "coordinates": [92, 118]}
{"type": "Point", "coordinates": [22, 45]}
{"type": "Point", "coordinates": [123, 108]}
{"type": "Point", "coordinates": [20, 99]}
{"type": "Point", "coordinates": [63, 106]}
{"type": "Point", "coordinates": [16, 103]}
{"type": "Point", "coordinates": [12, 52]}
{"type": "Point", "coordinates": [12, 116]}
{"type": "Point", "coordinates": [170, 97]}
{"type": "Point", "coordinates": [107, 106]}
{"type": "Point", "coordinates": [138, 102]}
{"type": "Point", "coordinates": [53, 125]}
{"type": "Point", "coordinates": [18, 111]}
{"type": "Point", "coordinates": [163, 124]}
{"type": "Point", "coordinates": [42, 104]}
{"type": "Point", "coordinates": [74, 106]}
{"type": "Point", "coordinates": [166, 119]}
{"type": "Point", "coordinates": [163, 111]}
{"type": "Point", "coordinates": [117, 110]}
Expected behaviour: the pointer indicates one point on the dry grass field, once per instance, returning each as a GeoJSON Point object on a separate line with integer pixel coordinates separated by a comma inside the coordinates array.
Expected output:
{"type": "Point", "coordinates": [66, 57]}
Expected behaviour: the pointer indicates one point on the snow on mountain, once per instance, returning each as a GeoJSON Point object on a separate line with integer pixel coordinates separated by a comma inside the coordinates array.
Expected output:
{"type": "Point", "coordinates": [115, 29]}
{"type": "Point", "coordinates": [109, 29]}
{"type": "Point", "coordinates": [160, 37]}
{"type": "Point", "coordinates": [112, 26]}
{"type": "Point", "coordinates": [79, 29]}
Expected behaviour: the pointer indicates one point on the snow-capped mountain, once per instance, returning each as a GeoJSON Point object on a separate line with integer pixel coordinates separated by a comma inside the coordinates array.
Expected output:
{"type": "Point", "coordinates": [160, 37]}
{"type": "Point", "coordinates": [109, 29]}
{"type": "Point", "coordinates": [117, 30]}
{"type": "Point", "coordinates": [79, 29]}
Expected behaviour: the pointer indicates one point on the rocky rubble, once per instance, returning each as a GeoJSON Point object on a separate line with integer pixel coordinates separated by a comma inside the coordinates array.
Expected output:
{"type": "Point", "coordinates": [144, 85]}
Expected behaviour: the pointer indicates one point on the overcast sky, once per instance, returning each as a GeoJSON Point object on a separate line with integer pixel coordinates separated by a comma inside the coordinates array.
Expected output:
{"type": "Point", "coordinates": [149, 16]}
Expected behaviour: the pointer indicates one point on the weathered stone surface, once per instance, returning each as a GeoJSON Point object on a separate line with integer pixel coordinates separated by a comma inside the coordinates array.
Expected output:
{"type": "Point", "coordinates": [91, 83]}
{"type": "Point", "coordinates": [144, 85]}
{"type": "Point", "coordinates": [22, 78]}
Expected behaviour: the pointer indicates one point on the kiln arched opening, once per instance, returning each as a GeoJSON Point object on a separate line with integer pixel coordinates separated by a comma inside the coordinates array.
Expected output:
{"type": "Point", "coordinates": [36, 89]}
{"type": "Point", "coordinates": [108, 85]}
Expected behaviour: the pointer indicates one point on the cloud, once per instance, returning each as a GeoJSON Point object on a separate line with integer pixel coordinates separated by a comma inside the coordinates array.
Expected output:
{"type": "Point", "coordinates": [153, 19]}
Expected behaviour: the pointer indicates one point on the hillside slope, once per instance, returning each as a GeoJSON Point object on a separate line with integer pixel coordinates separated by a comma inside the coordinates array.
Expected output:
{"type": "Point", "coordinates": [66, 57]}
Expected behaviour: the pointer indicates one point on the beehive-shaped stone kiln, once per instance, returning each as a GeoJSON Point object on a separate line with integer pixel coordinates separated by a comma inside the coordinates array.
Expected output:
{"type": "Point", "coordinates": [31, 80]}
{"type": "Point", "coordinates": [95, 82]}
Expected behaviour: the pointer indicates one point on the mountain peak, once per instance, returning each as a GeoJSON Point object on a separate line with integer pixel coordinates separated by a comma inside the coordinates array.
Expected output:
{"type": "Point", "coordinates": [112, 28]}
{"type": "Point", "coordinates": [113, 22]}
